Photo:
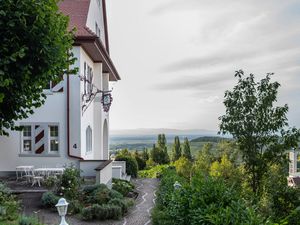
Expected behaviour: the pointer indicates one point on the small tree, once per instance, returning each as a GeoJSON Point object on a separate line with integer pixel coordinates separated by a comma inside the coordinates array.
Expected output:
{"type": "Point", "coordinates": [204, 159]}
{"type": "Point", "coordinates": [257, 125]}
{"type": "Point", "coordinates": [163, 150]}
{"type": "Point", "coordinates": [183, 167]}
{"type": "Point", "coordinates": [34, 49]}
{"type": "Point", "coordinates": [176, 151]}
{"type": "Point", "coordinates": [145, 154]}
{"type": "Point", "coordinates": [187, 149]}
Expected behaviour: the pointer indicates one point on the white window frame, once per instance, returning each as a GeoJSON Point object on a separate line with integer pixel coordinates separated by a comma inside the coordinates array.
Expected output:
{"type": "Point", "coordinates": [89, 139]}
{"type": "Point", "coordinates": [47, 137]}
{"type": "Point", "coordinates": [27, 138]}
{"type": "Point", "coordinates": [54, 138]}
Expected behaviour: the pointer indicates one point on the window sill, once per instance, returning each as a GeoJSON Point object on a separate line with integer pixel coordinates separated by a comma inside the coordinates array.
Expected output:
{"type": "Point", "coordinates": [47, 92]}
{"type": "Point", "coordinates": [36, 155]}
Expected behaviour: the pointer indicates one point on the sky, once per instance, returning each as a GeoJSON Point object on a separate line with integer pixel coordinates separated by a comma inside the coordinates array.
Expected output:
{"type": "Point", "coordinates": [176, 58]}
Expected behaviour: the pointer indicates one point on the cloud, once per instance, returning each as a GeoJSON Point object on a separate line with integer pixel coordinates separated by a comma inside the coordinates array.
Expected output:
{"type": "Point", "coordinates": [200, 82]}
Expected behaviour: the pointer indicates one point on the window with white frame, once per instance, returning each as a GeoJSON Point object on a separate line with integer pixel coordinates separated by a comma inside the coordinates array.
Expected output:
{"type": "Point", "coordinates": [89, 139]}
{"type": "Point", "coordinates": [54, 141]}
{"type": "Point", "coordinates": [99, 3]}
{"type": "Point", "coordinates": [27, 139]}
{"type": "Point", "coordinates": [97, 30]}
{"type": "Point", "coordinates": [40, 138]}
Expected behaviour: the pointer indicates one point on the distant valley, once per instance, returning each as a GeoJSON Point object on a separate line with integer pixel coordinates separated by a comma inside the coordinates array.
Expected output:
{"type": "Point", "coordinates": [134, 141]}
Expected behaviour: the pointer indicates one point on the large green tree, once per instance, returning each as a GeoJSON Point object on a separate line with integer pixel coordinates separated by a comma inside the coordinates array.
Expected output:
{"type": "Point", "coordinates": [176, 150]}
{"type": "Point", "coordinates": [260, 128]}
{"type": "Point", "coordinates": [187, 149]}
{"type": "Point", "coordinates": [162, 146]}
{"type": "Point", "coordinates": [34, 49]}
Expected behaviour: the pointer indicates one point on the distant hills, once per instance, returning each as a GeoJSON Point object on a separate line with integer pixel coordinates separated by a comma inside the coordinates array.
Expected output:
{"type": "Point", "coordinates": [149, 131]}
{"type": "Point", "coordinates": [209, 139]}
{"type": "Point", "coordinates": [138, 139]}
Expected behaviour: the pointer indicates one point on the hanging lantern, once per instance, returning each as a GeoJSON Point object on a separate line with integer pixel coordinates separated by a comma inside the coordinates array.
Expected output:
{"type": "Point", "coordinates": [106, 101]}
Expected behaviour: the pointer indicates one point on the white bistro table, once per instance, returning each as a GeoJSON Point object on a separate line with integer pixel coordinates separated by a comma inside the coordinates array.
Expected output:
{"type": "Point", "coordinates": [21, 169]}
{"type": "Point", "coordinates": [48, 171]}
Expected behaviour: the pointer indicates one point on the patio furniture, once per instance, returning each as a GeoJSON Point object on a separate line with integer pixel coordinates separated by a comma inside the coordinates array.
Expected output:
{"type": "Point", "coordinates": [32, 177]}
{"type": "Point", "coordinates": [36, 180]}
{"type": "Point", "coordinates": [49, 171]}
{"type": "Point", "coordinates": [22, 169]}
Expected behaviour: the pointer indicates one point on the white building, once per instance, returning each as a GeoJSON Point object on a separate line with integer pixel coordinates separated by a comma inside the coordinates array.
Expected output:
{"type": "Point", "coordinates": [73, 124]}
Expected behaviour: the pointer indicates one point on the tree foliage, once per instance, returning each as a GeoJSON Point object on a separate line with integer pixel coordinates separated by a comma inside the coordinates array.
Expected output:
{"type": "Point", "coordinates": [187, 149]}
{"type": "Point", "coordinates": [183, 167]}
{"type": "Point", "coordinates": [35, 48]}
{"type": "Point", "coordinates": [176, 151]}
{"type": "Point", "coordinates": [159, 152]}
{"type": "Point", "coordinates": [258, 126]}
{"type": "Point", "coordinates": [204, 159]}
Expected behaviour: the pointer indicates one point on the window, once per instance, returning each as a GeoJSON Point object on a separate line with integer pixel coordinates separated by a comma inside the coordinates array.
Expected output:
{"type": "Point", "coordinates": [99, 3]}
{"type": "Point", "coordinates": [54, 143]}
{"type": "Point", "coordinates": [40, 138]}
{"type": "Point", "coordinates": [89, 139]}
{"type": "Point", "coordinates": [97, 30]}
{"type": "Point", "coordinates": [27, 139]}
{"type": "Point", "coordinates": [88, 82]}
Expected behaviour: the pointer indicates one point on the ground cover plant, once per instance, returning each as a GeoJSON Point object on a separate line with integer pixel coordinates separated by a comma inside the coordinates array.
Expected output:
{"type": "Point", "coordinates": [89, 202]}
{"type": "Point", "coordinates": [10, 209]}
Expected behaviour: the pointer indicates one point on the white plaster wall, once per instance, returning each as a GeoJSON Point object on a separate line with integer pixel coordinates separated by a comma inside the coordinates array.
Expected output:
{"type": "Point", "coordinates": [105, 117]}
{"type": "Point", "coordinates": [117, 172]}
{"type": "Point", "coordinates": [106, 174]}
{"type": "Point", "coordinates": [96, 15]}
{"type": "Point", "coordinates": [88, 168]}
{"type": "Point", "coordinates": [75, 106]}
{"type": "Point", "coordinates": [97, 107]}
{"type": "Point", "coordinates": [122, 164]}
{"type": "Point", "coordinates": [53, 111]}
{"type": "Point", "coordinates": [87, 117]}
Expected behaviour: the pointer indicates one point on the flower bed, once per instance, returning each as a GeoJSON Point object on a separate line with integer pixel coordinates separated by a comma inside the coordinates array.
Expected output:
{"type": "Point", "coordinates": [91, 202]}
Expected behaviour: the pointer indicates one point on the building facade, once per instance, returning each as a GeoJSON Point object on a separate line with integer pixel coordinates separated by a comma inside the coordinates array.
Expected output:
{"type": "Point", "coordinates": [73, 124]}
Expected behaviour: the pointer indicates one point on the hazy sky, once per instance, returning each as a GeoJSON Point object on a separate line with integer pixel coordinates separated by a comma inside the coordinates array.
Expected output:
{"type": "Point", "coordinates": [177, 57]}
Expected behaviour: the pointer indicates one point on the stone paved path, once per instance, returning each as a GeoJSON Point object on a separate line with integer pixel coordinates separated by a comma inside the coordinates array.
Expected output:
{"type": "Point", "coordinates": [138, 215]}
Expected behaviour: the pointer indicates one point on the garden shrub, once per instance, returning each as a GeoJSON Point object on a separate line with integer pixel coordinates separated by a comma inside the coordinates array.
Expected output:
{"type": "Point", "coordinates": [49, 199]}
{"type": "Point", "coordinates": [206, 200]}
{"type": "Point", "coordinates": [122, 186]}
{"type": "Point", "coordinates": [100, 196]}
{"type": "Point", "coordinates": [9, 206]}
{"type": "Point", "coordinates": [120, 203]}
{"type": "Point", "coordinates": [115, 194]}
{"type": "Point", "coordinates": [74, 207]}
{"type": "Point", "coordinates": [101, 212]}
{"type": "Point", "coordinates": [129, 202]}
{"type": "Point", "coordinates": [25, 220]}
{"type": "Point", "coordinates": [70, 183]}
{"type": "Point", "coordinates": [131, 164]}
{"type": "Point", "coordinates": [87, 190]}
{"type": "Point", "coordinates": [51, 182]}
{"type": "Point", "coordinates": [154, 172]}
{"type": "Point", "coordinates": [87, 213]}
{"type": "Point", "coordinates": [141, 163]}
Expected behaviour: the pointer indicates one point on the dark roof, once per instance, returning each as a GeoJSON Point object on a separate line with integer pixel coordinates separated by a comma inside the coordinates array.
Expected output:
{"type": "Point", "coordinates": [77, 10]}
{"type": "Point", "coordinates": [103, 165]}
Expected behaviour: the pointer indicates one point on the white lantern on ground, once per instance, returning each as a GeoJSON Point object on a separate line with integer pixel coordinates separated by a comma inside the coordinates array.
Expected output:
{"type": "Point", "coordinates": [177, 185]}
{"type": "Point", "coordinates": [62, 208]}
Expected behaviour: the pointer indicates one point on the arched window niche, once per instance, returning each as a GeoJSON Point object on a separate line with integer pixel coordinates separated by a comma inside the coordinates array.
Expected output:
{"type": "Point", "coordinates": [89, 139]}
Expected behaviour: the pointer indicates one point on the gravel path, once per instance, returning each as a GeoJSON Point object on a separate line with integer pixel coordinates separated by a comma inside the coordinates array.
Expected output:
{"type": "Point", "coordinates": [138, 215]}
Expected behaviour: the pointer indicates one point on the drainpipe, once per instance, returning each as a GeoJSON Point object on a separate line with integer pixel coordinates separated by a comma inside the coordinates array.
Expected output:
{"type": "Point", "coordinates": [68, 119]}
